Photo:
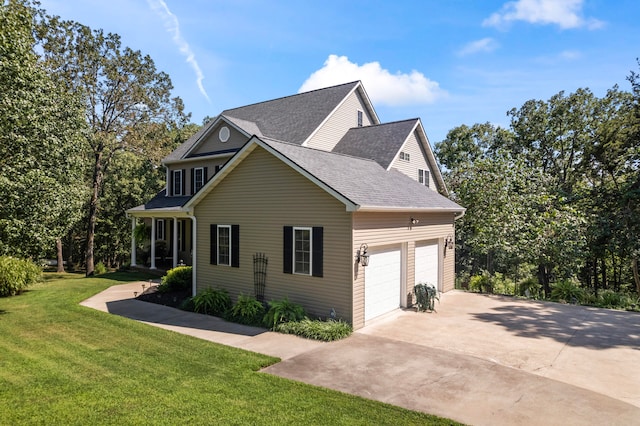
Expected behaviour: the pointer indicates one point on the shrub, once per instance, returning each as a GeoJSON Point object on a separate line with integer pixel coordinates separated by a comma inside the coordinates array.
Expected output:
{"type": "Point", "coordinates": [16, 275]}
{"type": "Point", "coordinates": [282, 311]}
{"type": "Point", "coordinates": [529, 287]}
{"type": "Point", "coordinates": [426, 295]}
{"type": "Point", "coordinates": [99, 269]}
{"type": "Point", "coordinates": [326, 331]}
{"type": "Point", "coordinates": [187, 305]}
{"type": "Point", "coordinates": [502, 285]}
{"type": "Point", "coordinates": [481, 283]}
{"type": "Point", "coordinates": [212, 302]}
{"type": "Point", "coordinates": [567, 291]}
{"type": "Point", "coordinates": [247, 310]}
{"type": "Point", "coordinates": [178, 278]}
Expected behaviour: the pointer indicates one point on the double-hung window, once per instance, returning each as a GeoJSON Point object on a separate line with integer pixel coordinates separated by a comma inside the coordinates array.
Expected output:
{"type": "Point", "coordinates": [159, 229]}
{"type": "Point", "coordinates": [198, 179]}
{"type": "Point", "coordinates": [178, 182]}
{"type": "Point", "coordinates": [225, 245]}
{"type": "Point", "coordinates": [303, 250]}
{"type": "Point", "coordinates": [423, 177]}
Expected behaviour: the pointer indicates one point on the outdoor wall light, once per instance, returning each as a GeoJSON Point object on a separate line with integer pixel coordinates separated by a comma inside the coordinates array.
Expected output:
{"type": "Point", "coordinates": [448, 243]}
{"type": "Point", "coordinates": [414, 221]}
{"type": "Point", "coordinates": [361, 255]}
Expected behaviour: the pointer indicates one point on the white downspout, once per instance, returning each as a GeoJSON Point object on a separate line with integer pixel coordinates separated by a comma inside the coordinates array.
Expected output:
{"type": "Point", "coordinates": [194, 229]}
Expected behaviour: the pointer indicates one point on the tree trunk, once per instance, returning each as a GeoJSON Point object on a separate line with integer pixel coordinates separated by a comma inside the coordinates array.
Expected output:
{"type": "Point", "coordinates": [603, 261]}
{"type": "Point", "coordinates": [595, 276]}
{"type": "Point", "coordinates": [60, 257]}
{"type": "Point", "coordinates": [93, 212]}
{"type": "Point", "coordinates": [636, 274]}
{"type": "Point", "coordinates": [543, 278]}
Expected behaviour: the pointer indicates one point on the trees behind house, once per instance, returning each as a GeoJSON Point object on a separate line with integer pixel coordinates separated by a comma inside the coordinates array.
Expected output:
{"type": "Point", "coordinates": [556, 195]}
{"type": "Point", "coordinates": [83, 118]}
{"type": "Point", "coordinates": [41, 150]}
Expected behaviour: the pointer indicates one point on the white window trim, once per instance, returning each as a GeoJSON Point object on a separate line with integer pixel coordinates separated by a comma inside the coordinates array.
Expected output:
{"type": "Point", "coordinates": [360, 118]}
{"type": "Point", "coordinates": [310, 230]}
{"type": "Point", "coordinates": [405, 156]}
{"type": "Point", "coordinates": [195, 178]}
{"type": "Point", "coordinates": [177, 173]}
{"type": "Point", "coordinates": [218, 245]}
{"type": "Point", "coordinates": [160, 229]}
{"type": "Point", "coordinates": [424, 175]}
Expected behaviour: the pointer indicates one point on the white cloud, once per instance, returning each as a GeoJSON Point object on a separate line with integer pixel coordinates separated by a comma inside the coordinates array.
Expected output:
{"type": "Point", "coordinates": [173, 27]}
{"type": "Point", "coordinates": [564, 13]}
{"type": "Point", "coordinates": [483, 45]}
{"type": "Point", "coordinates": [383, 87]}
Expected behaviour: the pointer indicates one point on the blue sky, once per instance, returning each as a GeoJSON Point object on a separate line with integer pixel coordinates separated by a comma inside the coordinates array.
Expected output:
{"type": "Point", "coordinates": [449, 62]}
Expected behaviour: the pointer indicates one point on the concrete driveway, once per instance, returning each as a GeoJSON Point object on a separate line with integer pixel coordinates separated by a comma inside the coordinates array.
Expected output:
{"type": "Point", "coordinates": [489, 360]}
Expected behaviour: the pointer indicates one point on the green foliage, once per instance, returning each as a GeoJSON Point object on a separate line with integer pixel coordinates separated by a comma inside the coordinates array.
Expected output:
{"type": "Point", "coordinates": [481, 283]}
{"type": "Point", "coordinates": [178, 278]}
{"type": "Point", "coordinates": [247, 310]}
{"type": "Point", "coordinates": [529, 287]}
{"type": "Point", "coordinates": [326, 331]}
{"type": "Point", "coordinates": [567, 290]}
{"type": "Point", "coordinates": [41, 154]}
{"type": "Point", "coordinates": [100, 269]}
{"type": "Point", "coordinates": [16, 275]}
{"type": "Point", "coordinates": [212, 302]}
{"type": "Point", "coordinates": [426, 295]}
{"type": "Point", "coordinates": [282, 311]}
{"type": "Point", "coordinates": [501, 284]}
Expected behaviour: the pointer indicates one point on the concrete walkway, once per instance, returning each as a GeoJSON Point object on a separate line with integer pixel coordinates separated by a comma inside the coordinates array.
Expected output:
{"type": "Point", "coordinates": [119, 300]}
{"type": "Point", "coordinates": [480, 360]}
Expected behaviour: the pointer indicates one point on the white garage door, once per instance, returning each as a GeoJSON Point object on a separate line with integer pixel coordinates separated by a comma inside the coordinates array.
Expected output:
{"type": "Point", "coordinates": [382, 283]}
{"type": "Point", "coordinates": [427, 264]}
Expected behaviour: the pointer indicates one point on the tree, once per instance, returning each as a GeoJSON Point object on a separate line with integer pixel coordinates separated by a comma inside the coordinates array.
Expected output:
{"type": "Point", "coordinates": [41, 171]}
{"type": "Point", "coordinates": [123, 95]}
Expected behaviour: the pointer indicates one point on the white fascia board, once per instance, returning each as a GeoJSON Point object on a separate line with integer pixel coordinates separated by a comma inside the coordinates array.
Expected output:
{"type": "Point", "coordinates": [431, 158]}
{"type": "Point", "coordinates": [382, 209]}
{"type": "Point", "coordinates": [191, 159]}
{"type": "Point", "coordinates": [166, 212]}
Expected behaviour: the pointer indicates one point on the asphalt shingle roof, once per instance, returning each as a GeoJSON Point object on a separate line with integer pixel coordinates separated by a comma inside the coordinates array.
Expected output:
{"type": "Point", "coordinates": [160, 201]}
{"type": "Point", "coordinates": [380, 142]}
{"type": "Point", "coordinates": [292, 118]}
{"type": "Point", "coordinates": [362, 181]}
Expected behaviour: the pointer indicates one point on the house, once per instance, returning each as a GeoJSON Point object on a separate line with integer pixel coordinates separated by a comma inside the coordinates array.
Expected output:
{"type": "Point", "coordinates": [349, 212]}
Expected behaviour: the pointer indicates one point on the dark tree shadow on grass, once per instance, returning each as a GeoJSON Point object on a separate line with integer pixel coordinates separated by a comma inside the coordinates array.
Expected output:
{"type": "Point", "coordinates": [578, 326]}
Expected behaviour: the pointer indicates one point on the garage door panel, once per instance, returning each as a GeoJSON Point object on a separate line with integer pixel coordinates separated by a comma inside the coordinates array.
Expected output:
{"type": "Point", "coordinates": [382, 283]}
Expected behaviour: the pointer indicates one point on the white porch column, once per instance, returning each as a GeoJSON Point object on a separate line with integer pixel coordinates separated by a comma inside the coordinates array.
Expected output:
{"type": "Point", "coordinates": [175, 242]}
{"type": "Point", "coordinates": [153, 243]}
{"type": "Point", "coordinates": [133, 241]}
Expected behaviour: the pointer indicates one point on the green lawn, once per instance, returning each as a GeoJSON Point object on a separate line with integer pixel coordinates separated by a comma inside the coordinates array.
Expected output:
{"type": "Point", "coordinates": [61, 363]}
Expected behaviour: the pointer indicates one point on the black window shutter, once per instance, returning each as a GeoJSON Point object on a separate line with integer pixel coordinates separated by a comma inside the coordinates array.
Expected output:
{"type": "Point", "coordinates": [287, 254]}
{"type": "Point", "coordinates": [317, 256]}
{"type": "Point", "coordinates": [170, 184]}
{"type": "Point", "coordinates": [193, 181]}
{"type": "Point", "coordinates": [184, 182]}
{"type": "Point", "coordinates": [204, 178]}
{"type": "Point", "coordinates": [213, 255]}
{"type": "Point", "coordinates": [235, 246]}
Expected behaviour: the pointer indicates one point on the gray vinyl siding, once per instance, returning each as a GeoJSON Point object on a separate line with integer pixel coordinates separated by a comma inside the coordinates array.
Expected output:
{"type": "Point", "coordinates": [417, 160]}
{"type": "Point", "coordinates": [262, 195]}
{"type": "Point", "coordinates": [384, 229]}
{"type": "Point", "coordinates": [212, 142]}
{"type": "Point", "coordinates": [344, 118]}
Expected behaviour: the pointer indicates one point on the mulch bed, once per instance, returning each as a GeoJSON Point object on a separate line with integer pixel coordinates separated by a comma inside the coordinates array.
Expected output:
{"type": "Point", "coordinates": [172, 298]}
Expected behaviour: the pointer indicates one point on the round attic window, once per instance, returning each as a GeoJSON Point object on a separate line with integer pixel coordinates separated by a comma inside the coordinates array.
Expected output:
{"type": "Point", "coordinates": [224, 134]}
